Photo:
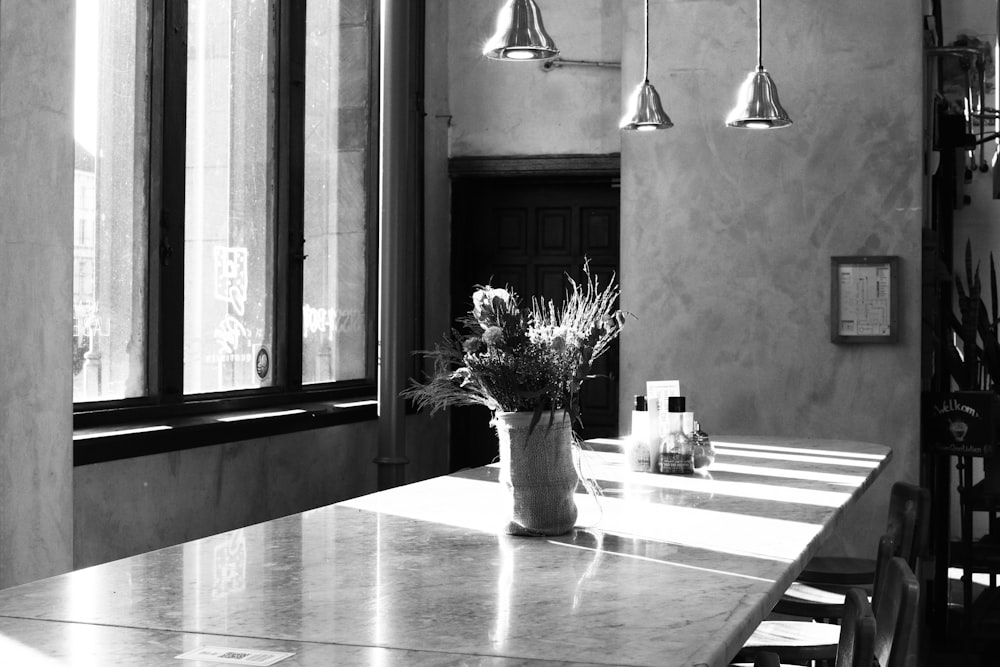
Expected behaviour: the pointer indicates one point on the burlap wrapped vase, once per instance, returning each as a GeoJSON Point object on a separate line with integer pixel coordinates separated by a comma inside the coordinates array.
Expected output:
{"type": "Point", "coordinates": [537, 473]}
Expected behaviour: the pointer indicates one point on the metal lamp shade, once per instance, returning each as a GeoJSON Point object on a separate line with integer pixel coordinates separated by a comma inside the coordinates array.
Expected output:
{"type": "Point", "coordinates": [758, 106]}
{"type": "Point", "coordinates": [644, 111]}
{"type": "Point", "coordinates": [520, 34]}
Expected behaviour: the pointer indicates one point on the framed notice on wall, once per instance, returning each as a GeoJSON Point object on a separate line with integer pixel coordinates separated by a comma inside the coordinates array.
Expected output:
{"type": "Point", "coordinates": [864, 299]}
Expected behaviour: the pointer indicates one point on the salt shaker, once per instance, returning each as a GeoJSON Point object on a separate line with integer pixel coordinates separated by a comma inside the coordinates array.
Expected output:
{"type": "Point", "coordinates": [701, 448]}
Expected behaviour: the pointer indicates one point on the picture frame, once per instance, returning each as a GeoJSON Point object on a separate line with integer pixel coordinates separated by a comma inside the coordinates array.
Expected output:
{"type": "Point", "coordinates": [864, 299]}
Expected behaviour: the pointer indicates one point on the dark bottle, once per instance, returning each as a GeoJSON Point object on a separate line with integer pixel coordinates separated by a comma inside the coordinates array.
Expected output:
{"type": "Point", "coordinates": [676, 456]}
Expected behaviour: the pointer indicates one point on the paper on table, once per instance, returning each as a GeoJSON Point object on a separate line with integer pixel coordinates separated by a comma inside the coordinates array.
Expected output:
{"type": "Point", "coordinates": [235, 656]}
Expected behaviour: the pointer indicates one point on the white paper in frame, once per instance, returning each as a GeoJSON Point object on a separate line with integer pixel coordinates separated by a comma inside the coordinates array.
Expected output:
{"type": "Point", "coordinates": [659, 390]}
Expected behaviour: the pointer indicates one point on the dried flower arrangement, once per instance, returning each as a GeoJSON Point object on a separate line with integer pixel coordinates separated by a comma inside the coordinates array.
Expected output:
{"type": "Point", "coordinates": [510, 358]}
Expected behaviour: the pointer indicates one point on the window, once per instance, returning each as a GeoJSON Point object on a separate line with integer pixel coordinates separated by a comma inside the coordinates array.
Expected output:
{"type": "Point", "coordinates": [110, 202]}
{"type": "Point", "coordinates": [224, 234]}
{"type": "Point", "coordinates": [337, 150]}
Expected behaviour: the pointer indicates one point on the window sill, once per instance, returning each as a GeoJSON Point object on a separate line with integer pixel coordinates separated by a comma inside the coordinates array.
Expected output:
{"type": "Point", "coordinates": [98, 444]}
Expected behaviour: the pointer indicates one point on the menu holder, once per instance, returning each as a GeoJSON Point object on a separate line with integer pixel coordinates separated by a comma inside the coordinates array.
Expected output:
{"type": "Point", "coordinates": [864, 299]}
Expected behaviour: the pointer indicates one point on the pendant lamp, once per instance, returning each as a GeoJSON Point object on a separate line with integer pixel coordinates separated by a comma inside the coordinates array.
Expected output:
{"type": "Point", "coordinates": [644, 110]}
{"type": "Point", "coordinates": [758, 107]}
{"type": "Point", "coordinates": [520, 34]}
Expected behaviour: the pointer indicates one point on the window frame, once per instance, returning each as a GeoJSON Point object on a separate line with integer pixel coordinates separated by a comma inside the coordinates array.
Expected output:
{"type": "Point", "coordinates": [197, 415]}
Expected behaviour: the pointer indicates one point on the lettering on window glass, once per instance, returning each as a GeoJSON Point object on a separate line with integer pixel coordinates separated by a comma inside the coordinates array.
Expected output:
{"type": "Point", "coordinates": [325, 322]}
{"type": "Point", "coordinates": [87, 323]}
{"type": "Point", "coordinates": [231, 288]}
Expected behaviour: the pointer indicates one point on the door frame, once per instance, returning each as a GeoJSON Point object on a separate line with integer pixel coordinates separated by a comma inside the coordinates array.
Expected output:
{"type": "Point", "coordinates": [572, 169]}
{"type": "Point", "coordinates": [555, 166]}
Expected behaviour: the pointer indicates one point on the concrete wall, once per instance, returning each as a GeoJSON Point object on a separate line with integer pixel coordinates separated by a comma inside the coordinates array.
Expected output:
{"type": "Point", "coordinates": [36, 229]}
{"type": "Point", "coordinates": [727, 234]}
{"type": "Point", "coordinates": [505, 108]}
{"type": "Point", "coordinates": [135, 505]}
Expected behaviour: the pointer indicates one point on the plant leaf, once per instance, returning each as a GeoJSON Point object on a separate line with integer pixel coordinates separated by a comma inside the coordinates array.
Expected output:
{"type": "Point", "coordinates": [993, 293]}
{"type": "Point", "coordinates": [968, 263]}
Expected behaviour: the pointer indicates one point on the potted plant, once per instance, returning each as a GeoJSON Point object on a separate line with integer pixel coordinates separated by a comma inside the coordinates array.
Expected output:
{"type": "Point", "coordinates": [967, 421]}
{"type": "Point", "coordinates": [527, 365]}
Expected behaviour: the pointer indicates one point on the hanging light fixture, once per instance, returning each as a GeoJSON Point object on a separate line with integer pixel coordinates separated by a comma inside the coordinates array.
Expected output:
{"type": "Point", "coordinates": [520, 34]}
{"type": "Point", "coordinates": [758, 107]}
{"type": "Point", "coordinates": [644, 110]}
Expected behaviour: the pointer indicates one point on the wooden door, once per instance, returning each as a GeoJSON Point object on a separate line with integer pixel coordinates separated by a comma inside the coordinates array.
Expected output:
{"type": "Point", "coordinates": [528, 234]}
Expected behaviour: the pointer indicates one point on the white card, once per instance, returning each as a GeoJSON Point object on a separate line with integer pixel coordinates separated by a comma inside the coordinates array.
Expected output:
{"type": "Point", "coordinates": [235, 656]}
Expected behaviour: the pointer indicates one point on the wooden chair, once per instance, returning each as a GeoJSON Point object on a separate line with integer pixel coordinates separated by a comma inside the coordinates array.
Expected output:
{"type": "Point", "coordinates": [896, 614]}
{"type": "Point", "coordinates": [908, 524]}
{"type": "Point", "coordinates": [856, 647]}
{"type": "Point", "coordinates": [894, 604]}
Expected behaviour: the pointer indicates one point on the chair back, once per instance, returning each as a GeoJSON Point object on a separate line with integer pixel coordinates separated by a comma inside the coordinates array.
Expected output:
{"type": "Point", "coordinates": [857, 631]}
{"type": "Point", "coordinates": [895, 614]}
{"type": "Point", "coordinates": [886, 551]}
{"type": "Point", "coordinates": [909, 520]}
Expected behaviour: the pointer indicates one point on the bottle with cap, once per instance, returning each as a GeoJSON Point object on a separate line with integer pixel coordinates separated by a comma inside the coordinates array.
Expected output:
{"type": "Point", "coordinates": [676, 456]}
{"type": "Point", "coordinates": [702, 449]}
{"type": "Point", "coordinates": [637, 450]}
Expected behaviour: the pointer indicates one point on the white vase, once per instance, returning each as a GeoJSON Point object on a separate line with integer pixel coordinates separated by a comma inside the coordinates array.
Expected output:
{"type": "Point", "coordinates": [537, 473]}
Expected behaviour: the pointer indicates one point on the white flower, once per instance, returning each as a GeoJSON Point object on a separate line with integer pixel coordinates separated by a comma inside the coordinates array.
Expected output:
{"type": "Point", "coordinates": [484, 302]}
{"type": "Point", "coordinates": [462, 375]}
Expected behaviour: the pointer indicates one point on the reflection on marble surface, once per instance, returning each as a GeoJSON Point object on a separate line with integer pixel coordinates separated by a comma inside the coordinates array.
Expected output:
{"type": "Point", "coordinates": [692, 561]}
{"type": "Point", "coordinates": [29, 643]}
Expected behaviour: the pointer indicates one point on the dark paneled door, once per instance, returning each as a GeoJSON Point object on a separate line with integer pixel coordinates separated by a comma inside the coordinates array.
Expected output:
{"type": "Point", "coordinates": [529, 234]}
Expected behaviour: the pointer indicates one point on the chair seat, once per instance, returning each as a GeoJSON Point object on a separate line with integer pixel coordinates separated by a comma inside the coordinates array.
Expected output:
{"type": "Point", "coordinates": [793, 641]}
{"type": "Point", "coordinates": [839, 571]}
{"type": "Point", "coordinates": [817, 602]}
{"type": "Point", "coordinates": [800, 592]}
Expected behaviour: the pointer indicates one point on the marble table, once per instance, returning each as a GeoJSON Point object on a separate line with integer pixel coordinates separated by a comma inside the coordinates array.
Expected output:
{"type": "Point", "coordinates": [661, 570]}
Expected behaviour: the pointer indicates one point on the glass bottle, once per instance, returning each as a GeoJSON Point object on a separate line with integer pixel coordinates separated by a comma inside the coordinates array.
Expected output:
{"type": "Point", "coordinates": [702, 449]}
{"type": "Point", "coordinates": [637, 448]}
{"type": "Point", "coordinates": [676, 456]}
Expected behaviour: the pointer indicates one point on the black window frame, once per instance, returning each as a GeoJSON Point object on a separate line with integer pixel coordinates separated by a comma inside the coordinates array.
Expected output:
{"type": "Point", "coordinates": [193, 420]}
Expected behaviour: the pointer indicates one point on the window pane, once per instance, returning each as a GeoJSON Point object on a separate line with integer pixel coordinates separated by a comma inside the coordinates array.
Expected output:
{"type": "Point", "coordinates": [228, 288]}
{"type": "Point", "coordinates": [337, 155]}
{"type": "Point", "coordinates": [110, 210]}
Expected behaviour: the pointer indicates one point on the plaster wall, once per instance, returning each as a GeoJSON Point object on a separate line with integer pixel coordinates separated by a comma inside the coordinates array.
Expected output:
{"type": "Point", "coordinates": [727, 234]}
{"type": "Point", "coordinates": [969, 17]}
{"type": "Point", "coordinates": [36, 227]}
{"type": "Point", "coordinates": [135, 505]}
{"type": "Point", "coordinates": [505, 108]}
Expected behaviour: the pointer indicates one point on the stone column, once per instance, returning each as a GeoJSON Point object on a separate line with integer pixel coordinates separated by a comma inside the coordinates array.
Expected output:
{"type": "Point", "coordinates": [36, 289]}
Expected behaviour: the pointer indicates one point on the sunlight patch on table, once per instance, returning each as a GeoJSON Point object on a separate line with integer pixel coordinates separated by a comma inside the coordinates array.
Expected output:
{"type": "Point", "coordinates": [700, 484]}
{"type": "Point", "coordinates": [777, 455]}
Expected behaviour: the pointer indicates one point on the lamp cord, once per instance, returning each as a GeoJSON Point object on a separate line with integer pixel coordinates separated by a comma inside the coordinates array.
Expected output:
{"type": "Point", "coordinates": [760, 41]}
{"type": "Point", "coordinates": [645, 42]}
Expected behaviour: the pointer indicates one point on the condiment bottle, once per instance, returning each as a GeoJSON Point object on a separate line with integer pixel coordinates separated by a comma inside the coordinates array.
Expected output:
{"type": "Point", "coordinates": [637, 448]}
{"type": "Point", "coordinates": [676, 457]}
{"type": "Point", "coordinates": [702, 449]}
